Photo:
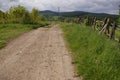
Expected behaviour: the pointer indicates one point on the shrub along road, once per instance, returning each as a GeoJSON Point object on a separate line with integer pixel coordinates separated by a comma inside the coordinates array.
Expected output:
{"type": "Point", "coordinates": [37, 55]}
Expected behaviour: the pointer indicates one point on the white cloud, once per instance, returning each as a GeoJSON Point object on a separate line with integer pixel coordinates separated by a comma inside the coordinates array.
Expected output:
{"type": "Point", "coordinates": [99, 6]}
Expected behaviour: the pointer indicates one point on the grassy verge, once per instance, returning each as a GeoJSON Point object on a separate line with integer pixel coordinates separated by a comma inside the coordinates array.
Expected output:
{"type": "Point", "coordinates": [9, 31]}
{"type": "Point", "coordinates": [95, 57]}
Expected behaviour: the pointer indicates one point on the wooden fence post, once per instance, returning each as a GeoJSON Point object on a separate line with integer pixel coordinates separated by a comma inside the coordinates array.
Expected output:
{"type": "Point", "coordinates": [79, 20]}
{"type": "Point", "coordinates": [94, 22]}
{"type": "Point", "coordinates": [106, 26]}
{"type": "Point", "coordinates": [119, 40]}
{"type": "Point", "coordinates": [112, 34]}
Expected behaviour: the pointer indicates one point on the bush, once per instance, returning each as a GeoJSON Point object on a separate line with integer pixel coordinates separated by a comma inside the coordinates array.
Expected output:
{"type": "Point", "coordinates": [19, 14]}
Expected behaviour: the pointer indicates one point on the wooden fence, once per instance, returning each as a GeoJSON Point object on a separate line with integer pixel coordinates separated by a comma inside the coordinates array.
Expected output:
{"type": "Point", "coordinates": [105, 26]}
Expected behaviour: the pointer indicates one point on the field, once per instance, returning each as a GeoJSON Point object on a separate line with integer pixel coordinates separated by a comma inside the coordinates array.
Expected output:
{"type": "Point", "coordinates": [10, 31]}
{"type": "Point", "coordinates": [60, 43]}
{"type": "Point", "coordinates": [95, 56]}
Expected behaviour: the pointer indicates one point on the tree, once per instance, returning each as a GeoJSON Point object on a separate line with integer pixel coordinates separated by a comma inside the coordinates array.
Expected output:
{"type": "Point", "coordinates": [119, 15]}
{"type": "Point", "coordinates": [35, 16]}
{"type": "Point", "coordinates": [119, 20]}
{"type": "Point", "coordinates": [18, 14]}
{"type": "Point", "coordinates": [2, 17]}
{"type": "Point", "coordinates": [1, 14]}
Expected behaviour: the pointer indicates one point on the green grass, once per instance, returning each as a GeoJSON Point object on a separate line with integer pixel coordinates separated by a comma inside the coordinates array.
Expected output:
{"type": "Point", "coordinates": [10, 31]}
{"type": "Point", "coordinates": [41, 24]}
{"type": "Point", "coordinates": [95, 56]}
{"type": "Point", "coordinates": [117, 33]}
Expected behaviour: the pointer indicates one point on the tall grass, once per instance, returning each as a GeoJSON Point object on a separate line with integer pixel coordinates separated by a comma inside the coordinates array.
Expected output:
{"type": "Point", "coordinates": [95, 57]}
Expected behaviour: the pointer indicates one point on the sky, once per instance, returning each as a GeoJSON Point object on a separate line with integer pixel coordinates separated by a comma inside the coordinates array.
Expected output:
{"type": "Point", "coordinates": [96, 6]}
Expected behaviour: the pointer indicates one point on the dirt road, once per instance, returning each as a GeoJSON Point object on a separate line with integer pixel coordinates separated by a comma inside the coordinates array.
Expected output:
{"type": "Point", "coordinates": [37, 55]}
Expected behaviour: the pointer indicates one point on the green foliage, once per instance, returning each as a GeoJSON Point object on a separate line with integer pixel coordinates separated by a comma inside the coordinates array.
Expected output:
{"type": "Point", "coordinates": [2, 17]}
{"type": "Point", "coordinates": [19, 14]}
{"type": "Point", "coordinates": [95, 57]}
{"type": "Point", "coordinates": [119, 17]}
{"type": "Point", "coordinates": [35, 17]}
{"type": "Point", "coordinates": [119, 20]}
{"type": "Point", "coordinates": [41, 24]}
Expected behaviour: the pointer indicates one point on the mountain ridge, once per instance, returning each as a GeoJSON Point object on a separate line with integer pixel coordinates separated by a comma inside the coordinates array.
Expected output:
{"type": "Point", "coordinates": [71, 13]}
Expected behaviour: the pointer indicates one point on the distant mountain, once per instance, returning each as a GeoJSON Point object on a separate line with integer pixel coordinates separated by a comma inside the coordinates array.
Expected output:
{"type": "Point", "coordinates": [78, 13]}
{"type": "Point", "coordinates": [48, 12]}
{"type": "Point", "coordinates": [74, 13]}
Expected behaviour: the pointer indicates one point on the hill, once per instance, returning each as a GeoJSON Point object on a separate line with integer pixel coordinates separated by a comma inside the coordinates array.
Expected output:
{"type": "Point", "coordinates": [78, 13]}
{"type": "Point", "coordinates": [74, 13]}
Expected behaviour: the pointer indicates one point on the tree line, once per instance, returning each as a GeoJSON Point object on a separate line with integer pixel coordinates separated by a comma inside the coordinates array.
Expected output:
{"type": "Point", "coordinates": [19, 14]}
{"type": "Point", "coordinates": [119, 15]}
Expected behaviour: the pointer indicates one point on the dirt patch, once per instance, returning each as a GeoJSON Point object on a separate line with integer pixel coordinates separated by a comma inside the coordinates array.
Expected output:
{"type": "Point", "coordinates": [38, 55]}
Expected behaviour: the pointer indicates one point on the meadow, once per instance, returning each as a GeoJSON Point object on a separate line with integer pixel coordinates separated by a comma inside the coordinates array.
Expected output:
{"type": "Point", "coordinates": [95, 56]}
{"type": "Point", "coordinates": [10, 31]}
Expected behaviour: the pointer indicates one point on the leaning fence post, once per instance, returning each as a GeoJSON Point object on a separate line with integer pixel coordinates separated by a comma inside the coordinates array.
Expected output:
{"type": "Point", "coordinates": [106, 26]}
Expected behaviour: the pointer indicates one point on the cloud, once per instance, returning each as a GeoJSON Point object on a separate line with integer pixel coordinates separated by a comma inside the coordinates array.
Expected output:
{"type": "Point", "coordinates": [6, 4]}
{"type": "Point", "coordinates": [97, 6]}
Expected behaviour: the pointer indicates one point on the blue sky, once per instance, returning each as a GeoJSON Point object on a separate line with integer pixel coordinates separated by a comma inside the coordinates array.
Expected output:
{"type": "Point", "coordinates": [96, 6]}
